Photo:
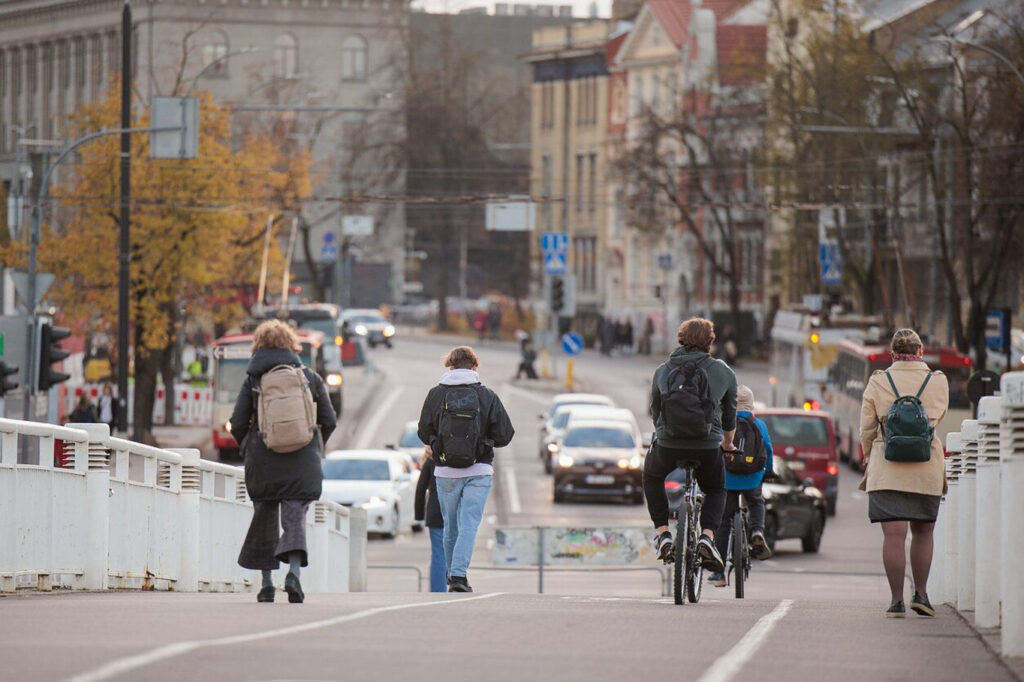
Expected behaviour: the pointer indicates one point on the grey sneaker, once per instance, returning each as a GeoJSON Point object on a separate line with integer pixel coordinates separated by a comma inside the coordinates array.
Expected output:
{"type": "Point", "coordinates": [709, 556]}
{"type": "Point", "coordinates": [759, 546]}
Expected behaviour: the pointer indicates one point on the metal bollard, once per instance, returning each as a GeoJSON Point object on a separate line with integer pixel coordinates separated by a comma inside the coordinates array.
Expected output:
{"type": "Point", "coordinates": [1011, 439]}
{"type": "Point", "coordinates": [966, 507]}
{"type": "Point", "coordinates": [987, 515]}
{"type": "Point", "coordinates": [950, 558]}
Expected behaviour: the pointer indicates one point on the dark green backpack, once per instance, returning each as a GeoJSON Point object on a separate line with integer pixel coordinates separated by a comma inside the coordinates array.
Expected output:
{"type": "Point", "coordinates": [907, 431]}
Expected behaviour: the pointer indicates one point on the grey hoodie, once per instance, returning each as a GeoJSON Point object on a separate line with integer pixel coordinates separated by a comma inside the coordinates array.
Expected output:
{"type": "Point", "coordinates": [723, 392]}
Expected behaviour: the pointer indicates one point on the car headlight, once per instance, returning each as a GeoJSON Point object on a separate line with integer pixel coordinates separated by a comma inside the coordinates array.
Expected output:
{"type": "Point", "coordinates": [635, 461]}
{"type": "Point", "coordinates": [389, 331]}
{"type": "Point", "coordinates": [565, 461]}
{"type": "Point", "coordinates": [334, 379]}
{"type": "Point", "coordinates": [623, 463]}
{"type": "Point", "coordinates": [361, 329]}
{"type": "Point", "coordinates": [375, 501]}
{"type": "Point", "coordinates": [227, 426]}
{"type": "Point", "coordinates": [553, 448]}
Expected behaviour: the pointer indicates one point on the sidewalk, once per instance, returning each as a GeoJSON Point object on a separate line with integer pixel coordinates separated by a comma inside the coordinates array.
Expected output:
{"type": "Point", "coordinates": [991, 637]}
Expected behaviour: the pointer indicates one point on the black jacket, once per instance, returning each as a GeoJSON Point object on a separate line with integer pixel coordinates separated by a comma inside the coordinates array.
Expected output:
{"type": "Point", "coordinates": [496, 430]}
{"type": "Point", "coordinates": [271, 476]}
{"type": "Point", "coordinates": [426, 507]}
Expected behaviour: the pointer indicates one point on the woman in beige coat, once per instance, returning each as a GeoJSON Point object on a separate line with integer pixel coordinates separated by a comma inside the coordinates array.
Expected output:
{"type": "Point", "coordinates": [904, 493]}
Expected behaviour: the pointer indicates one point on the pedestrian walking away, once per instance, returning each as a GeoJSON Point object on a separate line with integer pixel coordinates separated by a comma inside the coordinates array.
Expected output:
{"type": "Point", "coordinates": [745, 470]}
{"type": "Point", "coordinates": [282, 418]}
{"type": "Point", "coordinates": [106, 405]}
{"type": "Point", "coordinates": [462, 421]}
{"type": "Point", "coordinates": [427, 509]}
{"type": "Point", "coordinates": [528, 357]}
{"type": "Point", "coordinates": [84, 412]}
{"type": "Point", "coordinates": [693, 404]}
{"type": "Point", "coordinates": [905, 475]}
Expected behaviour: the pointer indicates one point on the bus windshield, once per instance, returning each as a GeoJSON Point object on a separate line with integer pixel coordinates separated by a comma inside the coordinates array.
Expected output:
{"type": "Point", "coordinates": [229, 374]}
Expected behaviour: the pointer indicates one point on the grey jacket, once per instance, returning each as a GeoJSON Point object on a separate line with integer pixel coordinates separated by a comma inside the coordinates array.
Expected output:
{"type": "Point", "coordinates": [723, 392]}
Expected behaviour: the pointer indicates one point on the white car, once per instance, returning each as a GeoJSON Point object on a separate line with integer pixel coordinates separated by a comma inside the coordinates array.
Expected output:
{"type": "Point", "coordinates": [370, 325]}
{"type": "Point", "coordinates": [562, 400]}
{"type": "Point", "coordinates": [383, 482]}
{"type": "Point", "coordinates": [409, 442]}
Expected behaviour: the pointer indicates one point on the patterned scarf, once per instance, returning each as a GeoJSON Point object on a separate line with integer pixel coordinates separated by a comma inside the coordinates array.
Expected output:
{"type": "Point", "coordinates": [903, 357]}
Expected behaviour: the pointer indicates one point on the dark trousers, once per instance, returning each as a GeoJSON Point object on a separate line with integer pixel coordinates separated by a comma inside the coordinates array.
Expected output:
{"type": "Point", "coordinates": [710, 473]}
{"type": "Point", "coordinates": [755, 507]}
{"type": "Point", "coordinates": [277, 529]}
{"type": "Point", "coordinates": [526, 367]}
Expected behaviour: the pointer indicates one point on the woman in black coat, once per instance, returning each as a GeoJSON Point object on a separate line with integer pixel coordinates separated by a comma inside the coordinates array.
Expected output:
{"type": "Point", "coordinates": [281, 486]}
{"type": "Point", "coordinates": [428, 509]}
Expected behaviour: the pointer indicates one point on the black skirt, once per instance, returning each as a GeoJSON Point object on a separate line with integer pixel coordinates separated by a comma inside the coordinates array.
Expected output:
{"type": "Point", "coordinates": [896, 505]}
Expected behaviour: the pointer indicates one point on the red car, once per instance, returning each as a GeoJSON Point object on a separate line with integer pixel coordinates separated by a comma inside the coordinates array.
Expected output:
{"type": "Point", "coordinates": [806, 440]}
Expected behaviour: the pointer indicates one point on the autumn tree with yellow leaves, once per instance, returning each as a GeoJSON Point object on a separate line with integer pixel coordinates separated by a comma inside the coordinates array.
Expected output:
{"type": "Point", "coordinates": [197, 234]}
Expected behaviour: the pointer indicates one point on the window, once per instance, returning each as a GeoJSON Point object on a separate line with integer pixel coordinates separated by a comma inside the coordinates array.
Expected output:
{"type": "Point", "coordinates": [286, 55]}
{"type": "Point", "coordinates": [592, 190]}
{"type": "Point", "coordinates": [215, 53]}
{"type": "Point", "coordinates": [636, 97]}
{"type": "Point", "coordinates": [96, 59]}
{"type": "Point", "coordinates": [3, 75]}
{"type": "Point", "coordinates": [15, 77]}
{"type": "Point", "coordinates": [48, 67]}
{"type": "Point", "coordinates": [547, 105]}
{"type": "Point", "coordinates": [545, 189]}
{"type": "Point", "coordinates": [655, 93]}
{"type": "Point", "coordinates": [353, 59]}
{"type": "Point", "coordinates": [79, 63]}
{"type": "Point", "coordinates": [585, 262]}
{"type": "Point", "coordinates": [64, 58]}
{"type": "Point", "coordinates": [579, 182]}
{"type": "Point", "coordinates": [31, 72]}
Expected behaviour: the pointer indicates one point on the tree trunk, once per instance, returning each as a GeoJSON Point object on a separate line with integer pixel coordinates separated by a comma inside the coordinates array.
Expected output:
{"type": "Point", "coordinates": [314, 272]}
{"type": "Point", "coordinates": [147, 366]}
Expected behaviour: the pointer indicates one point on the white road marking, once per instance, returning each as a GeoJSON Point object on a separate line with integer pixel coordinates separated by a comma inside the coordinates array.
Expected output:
{"type": "Point", "coordinates": [129, 663]}
{"type": "Point", "coordinates": [512, 489]}
{"type": "Point", "coordinates": [528, 395]}
{"type": "Point", "coordinates": [731, 663]}
{"type": "Point", "coordinates": [374, 422]}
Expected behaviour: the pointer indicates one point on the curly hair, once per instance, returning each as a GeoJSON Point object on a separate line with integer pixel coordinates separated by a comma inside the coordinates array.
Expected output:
{"type": "Point", "coordinates": [275, 334]}
{"type": "Point", "coordinates": [461, 357]}
{"type": "Point", "coordinates": [696, 334]}
{"type": "Point", "coordinates": [906, 342]}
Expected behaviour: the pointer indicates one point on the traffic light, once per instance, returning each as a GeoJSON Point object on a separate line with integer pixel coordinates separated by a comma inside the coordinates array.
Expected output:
{"type": "Point", "coordinates": [557, 294]}
{"type": "Point", "coordinates": [5, 372]}
{"type": "Point", "coordinates": [49, 353]}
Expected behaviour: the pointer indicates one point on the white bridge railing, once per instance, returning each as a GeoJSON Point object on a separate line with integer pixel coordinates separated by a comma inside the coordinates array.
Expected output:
{"type": "Point", "coordinates": [97, 512]}
{"type": "Point", "coordinates": [978, 544]}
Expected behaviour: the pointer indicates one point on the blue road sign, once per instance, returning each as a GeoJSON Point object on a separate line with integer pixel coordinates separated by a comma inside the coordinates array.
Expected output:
{"type": "Point", "coordinates": [554, 263]}
{"type": "Point", "coordinates": [572, 343]}
{"type": "Point", "coordinates": [997, 330]}
{"type": "Point", "coordinates": [328, 253]}
{"type": "Point", "coordinates": [554, 242]}
{"type": "Point", "coordinates": [831, 264]}
{"type": "Point", "coordinates": [328, 237]}
{"type": "Point", "coordinates": [665, 261]}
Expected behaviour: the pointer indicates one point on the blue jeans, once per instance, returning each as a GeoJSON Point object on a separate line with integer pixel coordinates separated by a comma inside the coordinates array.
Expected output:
{"type": "Point", "coordinates": [462, 506]}
{"type": "Point", "coordinates": [438, 579]}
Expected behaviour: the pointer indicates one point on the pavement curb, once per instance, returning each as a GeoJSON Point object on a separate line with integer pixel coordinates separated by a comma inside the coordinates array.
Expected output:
{"type": "Point", "coordinates": [989, 638]}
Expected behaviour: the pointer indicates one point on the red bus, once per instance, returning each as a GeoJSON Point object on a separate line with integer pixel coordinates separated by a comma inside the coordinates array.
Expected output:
{"type": "Point", "coordinates": [855, 365]}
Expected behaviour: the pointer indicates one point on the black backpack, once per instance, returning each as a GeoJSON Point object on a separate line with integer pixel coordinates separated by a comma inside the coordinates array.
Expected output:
{"type": "Point", "coordinates": [687, 409]}
{"type": "Point", "coordinates": [907, 431]}
{"type": "Point", "coordinates": [751, 455]}
{"type": "Point", "coordinates": [459, 428]}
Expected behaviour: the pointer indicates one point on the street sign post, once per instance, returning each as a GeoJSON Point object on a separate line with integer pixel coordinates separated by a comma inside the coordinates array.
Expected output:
{"type": "Point", "coordinates": [572, 343]}
{"type": "Point", "coordinates": [831, 261]}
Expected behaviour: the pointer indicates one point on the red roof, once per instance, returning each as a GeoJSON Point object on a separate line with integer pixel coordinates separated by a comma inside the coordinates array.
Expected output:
{"type": "Point", "coordinates": [674, 17]}
{"type": "Point", "coordinates": [741, 53]}
{"type": "Point", "coordinates": [613, 46]}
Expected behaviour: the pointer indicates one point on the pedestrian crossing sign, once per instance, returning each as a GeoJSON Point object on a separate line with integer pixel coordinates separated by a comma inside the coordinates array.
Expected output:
{"type": "Point", "coordinates": [554, 263]}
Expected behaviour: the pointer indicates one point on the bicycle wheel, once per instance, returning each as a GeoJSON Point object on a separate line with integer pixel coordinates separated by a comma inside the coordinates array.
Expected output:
{"type": "Point", "coordinates": [694, 567]}
{"type": "Point", "coordinates": [739, 553]}
{"type": "Point", "coordinates": [679, 563]}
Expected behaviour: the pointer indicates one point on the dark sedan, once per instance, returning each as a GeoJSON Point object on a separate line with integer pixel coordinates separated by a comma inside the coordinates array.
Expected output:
{"type": "Point", "coordinates": [794, 508]}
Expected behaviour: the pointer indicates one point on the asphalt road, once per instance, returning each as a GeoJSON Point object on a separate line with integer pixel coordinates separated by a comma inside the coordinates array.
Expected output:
{"type": "Point", "coordinates": [806, 617]}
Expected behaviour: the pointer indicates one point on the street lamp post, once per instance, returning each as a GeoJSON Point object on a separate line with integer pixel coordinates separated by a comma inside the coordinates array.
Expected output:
{"type": "Point", "coordinates": [245, 50]}
{"type": "Point", "coordinates": [984, 48]}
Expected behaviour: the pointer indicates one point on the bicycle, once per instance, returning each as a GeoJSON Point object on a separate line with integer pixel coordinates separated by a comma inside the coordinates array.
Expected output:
{"type": "Point", "coordinates": [688, 571]}
{"type": "Point", "coordinates": [739, 546]}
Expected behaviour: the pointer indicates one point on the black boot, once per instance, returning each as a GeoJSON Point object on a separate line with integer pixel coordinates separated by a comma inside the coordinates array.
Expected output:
{"type": "Point", "coordinates": [294, 589]}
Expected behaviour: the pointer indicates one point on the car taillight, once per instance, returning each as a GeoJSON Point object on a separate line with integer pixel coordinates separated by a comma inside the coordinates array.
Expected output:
{"type": "Point", "coordinates": [811, 405]}
{"type": "Point", "coordinates": [672, 485]}
{"type": "Point", "coordinates": [833, 469]}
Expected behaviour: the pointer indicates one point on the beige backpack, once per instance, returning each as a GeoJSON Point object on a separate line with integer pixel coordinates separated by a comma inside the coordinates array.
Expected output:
{"type": "Point", "coordinates": [285, 408]}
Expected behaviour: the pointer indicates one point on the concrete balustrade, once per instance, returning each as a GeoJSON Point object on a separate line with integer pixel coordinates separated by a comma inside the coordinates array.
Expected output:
{"type": "Point", "coordinates": [987, 515]}
{"type": "Point", "coordinates": [965, 514]}
{"type": "Point", "coordinates": [947, 524]}
{"type": "Point", "coordinates": [1011, 463]}
{"type": "Point", "coordinates": [112, 513]}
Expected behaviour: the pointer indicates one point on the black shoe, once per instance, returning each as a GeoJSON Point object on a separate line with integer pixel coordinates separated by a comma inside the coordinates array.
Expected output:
{"type": "Point", "coordinates": [897, 610]}
{"type": "Point", "coordinates": [759, 546]}
{"type": "Point", "coordinates": [922, 606]}
{"type": "Point", "coordinates": [294, 589]}
{"type": "Point", "coordinates": [664, 547]}
{"type": "Point", "coordinates": [266, 594]}
{"type": "Point", "coordinates": [709, 556]}
{"type": "Point", "coordinates": [458, 583]}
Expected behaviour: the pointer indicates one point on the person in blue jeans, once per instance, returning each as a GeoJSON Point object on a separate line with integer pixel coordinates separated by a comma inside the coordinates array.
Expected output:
{"type": "Point", "coordinates": [427, 508]}
{"type": "Point", "coordinates": [747, 485]}
{"type": "Point", "coordinates": [476, 412]}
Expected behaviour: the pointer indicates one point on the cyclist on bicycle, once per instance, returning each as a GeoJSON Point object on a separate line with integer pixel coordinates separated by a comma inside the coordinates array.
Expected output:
{"type": "Point", "coordinates": [693, 403]}
{"type": "Point", "coordinates": [754, 447]}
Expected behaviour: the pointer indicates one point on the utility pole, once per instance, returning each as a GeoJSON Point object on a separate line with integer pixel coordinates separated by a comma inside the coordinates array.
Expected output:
{"type": "Point", "coordinates": [124, 254]}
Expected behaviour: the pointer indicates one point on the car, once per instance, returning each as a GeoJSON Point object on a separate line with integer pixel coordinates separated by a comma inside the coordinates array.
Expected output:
{"type": "Point", "coordinates": [600, 458]}
{"type": "Point", "coordinates": [807, 440]}
{"type": "Point", "coordinates": [369, 324]}
{"type": "Point", "coordinates": [794, 508]}
{"type": "Point", "coordinates": [563, 400]}
{"type": "Point", "coordinates": [567, 414]}
{"type": "Point", "coordinates": [409, 443]}
{"type": "Point", "coordinates": [382, 482]}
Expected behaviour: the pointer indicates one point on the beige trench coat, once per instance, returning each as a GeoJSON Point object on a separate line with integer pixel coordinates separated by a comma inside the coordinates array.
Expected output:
{"type": "Point", "coordinates": [926, 478]}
